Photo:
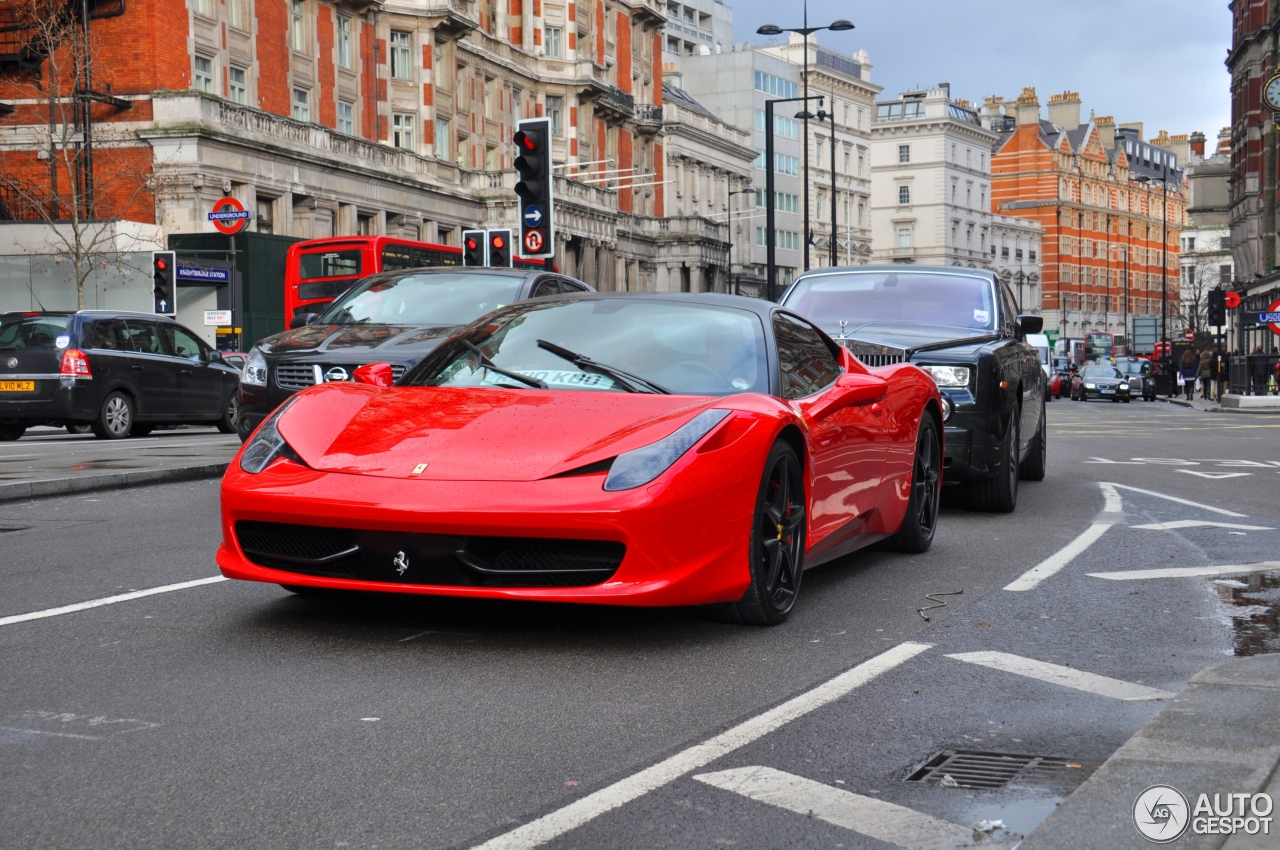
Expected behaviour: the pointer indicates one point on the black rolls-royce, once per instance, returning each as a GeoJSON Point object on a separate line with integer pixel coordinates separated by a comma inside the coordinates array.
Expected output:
{"type": "Point", "coordinates": [960, 325]}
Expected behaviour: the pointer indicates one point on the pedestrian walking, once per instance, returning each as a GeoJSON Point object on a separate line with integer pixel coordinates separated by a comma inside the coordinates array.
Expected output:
{"type": "Point", "coordinates": [1205, 373]}
{"type": "Point", "coordinates": [1187, 372]}
{"type": "Point", "coordinates": [1222, 364]}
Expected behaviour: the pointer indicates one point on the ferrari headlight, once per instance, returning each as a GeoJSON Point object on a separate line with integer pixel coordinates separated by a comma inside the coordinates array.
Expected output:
{"type": "Point", "coordinates": [640, 466]}
{"type": "Point", "coordinates": [949, 376]}
{"type": "Point", "coordinates": [267, 444]}
{"type": "Point", "coordinates": [1090, 386]}
{"type": "Point", "coordinates": [1124, 386]}
{"type": "Point", "coordinates": [255, 369]}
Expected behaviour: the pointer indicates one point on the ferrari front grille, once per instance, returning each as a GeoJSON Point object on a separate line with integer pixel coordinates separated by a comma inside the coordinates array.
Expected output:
{"type": "Point", "coordinates": [437, 559]}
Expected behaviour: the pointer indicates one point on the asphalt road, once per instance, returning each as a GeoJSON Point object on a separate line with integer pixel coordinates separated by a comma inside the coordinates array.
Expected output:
{"type": "Point", "coordinates": [45, 453]}
{"type": "Point", "coordinates": [237, 715]}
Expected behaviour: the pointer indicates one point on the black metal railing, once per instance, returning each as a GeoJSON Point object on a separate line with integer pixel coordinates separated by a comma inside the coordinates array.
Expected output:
{"type": "Point", "coordinates": [649, 113]}
{"type": "Point", "coordinates": [618, 100]}
{"type": "Point", "coordinates": [1252, 374]}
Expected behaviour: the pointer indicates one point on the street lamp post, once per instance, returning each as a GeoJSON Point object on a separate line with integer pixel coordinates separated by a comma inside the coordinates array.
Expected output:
{"type": "Point", "coordinates": [1106, 299]}
{"type": "Point", "coordinates": [770, 236]}
{"type": "Point", "coordinates": [832, 115]}
{"type": "Point", "coordinates": [1127, 251]}
{"type": "Point", "coordinates": [1080, 259]}
{"type": "Point", "coordinates": [733, 286]}
{"type": "Point", "coordinates": [1164, 259]}
{"type": "Point", "coordinates": [806, 31]}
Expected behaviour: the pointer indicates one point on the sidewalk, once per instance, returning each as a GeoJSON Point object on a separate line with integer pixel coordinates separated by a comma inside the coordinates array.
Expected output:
{"type": "Point", "coordinates": [1250, 404]}
{"type": "Point", "coordinates": [50, 462]}
{"type": "Point", "coordinates": [1221, 735]}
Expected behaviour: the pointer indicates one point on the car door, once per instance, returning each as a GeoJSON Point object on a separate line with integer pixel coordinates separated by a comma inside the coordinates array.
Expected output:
{"type": "Point", "coordinates": [102, 344]}
{"type": "Point", "coordinates": [847, 462]}
{"type": "Point", "coordinates": [1021, 367]}
{"type": "Point", "coordinates": [200, 382]}
{"type": "Point", "coordinates": [152, 371]}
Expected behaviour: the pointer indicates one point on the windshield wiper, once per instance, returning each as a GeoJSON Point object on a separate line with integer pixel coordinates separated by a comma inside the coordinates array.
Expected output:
{"type": "Point", "coordinates": [629, 382]}
{"type": "Point", "coordinates": [488, 364]}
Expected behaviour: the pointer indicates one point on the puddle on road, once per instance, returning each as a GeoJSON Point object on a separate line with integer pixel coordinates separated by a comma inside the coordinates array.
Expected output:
{"type": "Point", "coordinates": [1252, 607]}
{"type": "Point", "coordinates": [1020, 816]}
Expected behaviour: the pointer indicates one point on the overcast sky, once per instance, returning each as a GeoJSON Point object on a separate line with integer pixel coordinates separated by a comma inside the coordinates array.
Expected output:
{"type": "Point", "coordinates": [1155, 61]}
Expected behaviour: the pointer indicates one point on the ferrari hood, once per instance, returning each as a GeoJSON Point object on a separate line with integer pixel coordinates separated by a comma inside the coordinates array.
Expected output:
{"type": "Point", "coordinates": [456, 434]}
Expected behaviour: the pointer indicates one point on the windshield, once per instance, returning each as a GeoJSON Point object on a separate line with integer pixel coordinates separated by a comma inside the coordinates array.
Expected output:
{"type": "Point", "coordinates": [1131, 367]}
{"type": "Point", "coordinates": [914, 298]}
{"type": "Point", "coordinates": [18, 333]}
{"type": "Point", "coordinates": [1100, 372]}
{"type": "Point", "coordinates": [423, 299]}
{"type": "Point", "coordinates": [689, 349]}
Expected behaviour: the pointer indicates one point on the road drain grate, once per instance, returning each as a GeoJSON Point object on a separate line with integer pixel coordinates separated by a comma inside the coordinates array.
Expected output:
{"type": "Point", "coordinates": [980, 769]}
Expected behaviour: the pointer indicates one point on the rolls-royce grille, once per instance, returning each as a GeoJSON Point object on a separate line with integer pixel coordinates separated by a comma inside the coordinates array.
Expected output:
{"type": "Point", "coordinates": [299, 376]}
{"type": "Point", "coordinates": [438, 559]}
{"type": "Point", "coordinates": [873, 354]}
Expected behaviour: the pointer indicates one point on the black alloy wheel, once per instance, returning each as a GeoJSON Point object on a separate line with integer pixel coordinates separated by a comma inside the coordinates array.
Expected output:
{"type": "Point", "coordinates": [9, 433]}
{"type": "Point", "coordinates": [79, 428]}
{"type": "Point", "coordinates": [231, 414]}
{"type": "Point", "coordinates": [115, 418]}
{"type": "Point", "coordinates": [999, 493]}
{"type": "Point", "coordinates": [777, 545]}
{"type": "Point", "coordinates": [915, 535]}
{"type": "Point", "coordinates": [1037, 459]}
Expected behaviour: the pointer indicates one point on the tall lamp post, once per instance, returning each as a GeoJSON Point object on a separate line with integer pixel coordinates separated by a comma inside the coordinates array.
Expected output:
{"type": "Point", "coordinates": [770, 240]}
{"type": "Point", "coordinates": [839, 25]}
{"type": "Point", "coordinates": [821, 116]}
{"type": "Point", "coordinates": [1127, 251]}
{"type": "Point", "coordinates": [733, 287]}
{"type": "Point", "coordinates": [1164, 259]}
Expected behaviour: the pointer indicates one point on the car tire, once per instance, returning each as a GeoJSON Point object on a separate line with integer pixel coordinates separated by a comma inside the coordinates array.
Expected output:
{"type": "Point", "coordinates": [999, 493]}
{"type": "Point", "coordinates": [78, 428]}
{"type": "Point", "coordinates": [1037, 460]}
{"type": "Point", "coordinates": [9, 433]}
{"type": "Point", "coordinates": [230, 415]}
{"type": "Point", "coordinates": [139, 430]}
{"type": "Point", "coordinates": [115, 417]}
{"type": "Point", "coordinates": [776, 562]}
{"type": "Point", "coordinates": [915, 535]}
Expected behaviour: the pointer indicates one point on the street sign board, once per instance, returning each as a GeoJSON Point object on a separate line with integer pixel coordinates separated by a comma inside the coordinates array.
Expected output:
{"type": "Point", "coordinates": [229, 216]}
{"type": "Point", "coordinates": [1188, 334]}
{"type": "Point", "coordinates": [1232, 300]}
{"type": "Point", "coordinates": [217, 318]}
{"type": "Point", "coordinates": [1146, 331]}
{"type": "Point", "coordinates": [533, 243]}
{"type": "Point", "coordinates": [533, 215]}
{"type": "Point", "coordinates": [191, 273]}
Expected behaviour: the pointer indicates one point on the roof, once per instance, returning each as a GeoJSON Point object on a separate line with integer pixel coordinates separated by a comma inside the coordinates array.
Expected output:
{"type": "Point", "coordinates": [682, 98]}
{"type": "Point", "coordinates": [901, 268]}
{"type": "Point", "coordinates": [710, 299]}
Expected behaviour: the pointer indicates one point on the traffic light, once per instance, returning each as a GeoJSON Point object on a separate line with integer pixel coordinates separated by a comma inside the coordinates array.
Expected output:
{"type": "Point", "coordinates": [474, 248]}
{"type": "Point", "coordinates": [500, 248]}
{"type": "Point", "coordinates": [164, 284]}
{"type": "Point", "coordinates": [1217, 308]}
{"type": "Point", "coordinates": [533, 164]}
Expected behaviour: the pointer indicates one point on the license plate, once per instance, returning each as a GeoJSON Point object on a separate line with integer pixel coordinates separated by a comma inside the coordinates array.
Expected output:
{"type": "Point", "coordinates": [17, 386]}
{"type": "Point", "coordinates": [1108, 392]}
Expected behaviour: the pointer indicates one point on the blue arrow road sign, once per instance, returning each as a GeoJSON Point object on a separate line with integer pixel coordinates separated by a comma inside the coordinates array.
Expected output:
{"type": "Point", "coordinates": [533, 215]}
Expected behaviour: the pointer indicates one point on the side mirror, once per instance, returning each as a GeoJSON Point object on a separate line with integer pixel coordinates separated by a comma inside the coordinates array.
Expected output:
{"type": "Point", "coordinates": [851, 390]}
{"type": "Point", "coordinates": [1030, 324]}
{"type": "Point", "coordinates": [375, 374]}
{"type": "Point", "coordinates": [302, 320]}
{"type": "Point", "coordinates": [215, 356]}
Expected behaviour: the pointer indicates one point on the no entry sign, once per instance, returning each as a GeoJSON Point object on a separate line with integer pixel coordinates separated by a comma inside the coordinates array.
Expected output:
{"type": "Point", "coordinates": [229, 216]}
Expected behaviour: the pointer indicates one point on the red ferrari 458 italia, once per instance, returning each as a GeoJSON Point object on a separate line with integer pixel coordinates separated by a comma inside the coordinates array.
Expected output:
{"type": "Point", "coordinates": [617, 449]}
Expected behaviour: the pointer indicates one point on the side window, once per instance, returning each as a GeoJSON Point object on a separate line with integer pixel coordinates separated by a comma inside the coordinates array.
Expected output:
{"type": "Point", "coordinates": [1008, 306]}
{"type": "Point", "coordinates": [806, 363]}
{"type": "Point", "coordinates": [550, 286]}
{"type": "Point", "coordinates": [142, 336]}
{"type": "Point", "coordinates": [182, 343]}
{"type": "Point", "coordinates": [396, 258]}
{"type": "Point", "coordinates": [567, 285]}
{"type": "Point", "coordinates": [103, 335]}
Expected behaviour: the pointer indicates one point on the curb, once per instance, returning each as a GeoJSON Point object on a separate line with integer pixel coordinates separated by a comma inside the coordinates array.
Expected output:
{"type": "Point", "coordinates": [44, 487]}
{"type": "Point", "coordinates": [1220, 735]}
{"type": "Point", "coordinates": [1177, 402]}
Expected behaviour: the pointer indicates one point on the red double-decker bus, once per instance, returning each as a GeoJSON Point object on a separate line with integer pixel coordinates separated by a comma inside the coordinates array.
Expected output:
{"type": "Point", "coordinates": [319, 270]}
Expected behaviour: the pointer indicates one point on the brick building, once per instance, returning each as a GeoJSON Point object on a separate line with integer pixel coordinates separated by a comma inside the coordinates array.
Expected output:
{"type": "Point", "coordinates": [335, 117]}
{"type": "Point", "coordinates": [1099, 191]}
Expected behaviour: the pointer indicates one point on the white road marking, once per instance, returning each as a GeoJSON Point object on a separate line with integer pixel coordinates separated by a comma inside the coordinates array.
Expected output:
{"type": "Point", "coordinates": [1198, 523]}
{"type": "Point", "coordinates": [883, 821]}
{"type": "Point", "coordinates": [1189, 572]}
{"type": "Point", "coordinates": [579, 812]}
{"type": "Point", "coordinates": [1114, 462]}
{"type": "Point", "coordinates": [1065, 676]}
{"type": "Point", "coordinates": [107, 600]}
{"type": "Point", "coordinates": [1186, 502]}
{"type": "Point", "coordinates": [1055, 562]}
{"type": "Point", "coordinates": [54, 734]}
{"type": "Point", "coordinates": [1111, 503]}
{"type": "Point", "coordinates": [1213, 476]}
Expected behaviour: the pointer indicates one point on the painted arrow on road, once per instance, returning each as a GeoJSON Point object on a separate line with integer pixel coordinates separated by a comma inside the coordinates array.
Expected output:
{"type": "Point", "coordinates": [1213, 476]}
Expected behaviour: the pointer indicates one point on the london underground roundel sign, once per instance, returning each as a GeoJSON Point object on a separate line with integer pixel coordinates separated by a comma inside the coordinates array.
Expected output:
{"type": "Point", "coordinates": [1274, 310]}
{"type": "Point", "coordinates": [229, 216]}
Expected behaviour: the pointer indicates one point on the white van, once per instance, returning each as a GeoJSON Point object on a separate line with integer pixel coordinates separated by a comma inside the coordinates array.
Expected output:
{"type": "Point", "coordinates": [1040, 343]}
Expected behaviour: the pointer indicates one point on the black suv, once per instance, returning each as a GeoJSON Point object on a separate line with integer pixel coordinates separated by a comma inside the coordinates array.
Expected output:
{"type": "Point", "coordinates": [393, 317]}
{"type": "Point", "coordinates": [119, 373]}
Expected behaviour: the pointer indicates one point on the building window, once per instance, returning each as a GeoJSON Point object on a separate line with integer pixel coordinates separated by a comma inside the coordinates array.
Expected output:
{"type": "Point", "coordinates": [344, 41]}
{"type": "Point", "coordinates": [402, 131]}
{"type": "Point", "coordinates": [860, 207]}
{"type": "Point", "coordinates": [551, 42]}
{"type": "Point", "coordinates": [401, 55]}
{"type": "Point", "coordinates": [491, 161]}
{"type": "Point", "coordinates": [237, 14]}
{"type": "Point", "coordinates": [490, 99]}
{"type": "Point", "coordinates": [437, 64]}
{"type": "Point", "coordinates": [364, 225]}
{"type": "Point", "coordinates": [555, 112]}
{"type": "Point", "coordinates": [301, 104]}
{"type": "Point", "coordinates": [238, 88]}
{"type": "Point", "coordinates": [204, 7]}
{"type": "Point", "coordinates": [444, 136]}
{"type": "Point", "coordinates": [346, 117]}
{"type": "Point", "coordinates": [904, 237]}
{"type": "Point", "coordinates": [264, 215]}
{"type": "Point", "coordinates": [517, 104]}
{"type": "Point", "coordinates": [298, 26]}
{"type": "Point", "coordinates": [904, 195]}
{"type": "Point", "coordinates": [775, 86]}
{"type": "Point", "coordinates": [204, 74]}
{"type": "Point", "coordinates": [904, 153]}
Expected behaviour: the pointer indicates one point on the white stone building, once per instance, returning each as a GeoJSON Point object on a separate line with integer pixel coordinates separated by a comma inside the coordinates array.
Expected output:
{"type": "Point", "coordinates": [697, 26]}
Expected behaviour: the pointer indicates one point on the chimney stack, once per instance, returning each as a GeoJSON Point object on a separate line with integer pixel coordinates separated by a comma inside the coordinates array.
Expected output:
{"type": "Point", "coordinates": [1197, 144]}
{"type": "Point", "coordinates": [1106, 127]}
{"type": "Point", "coordinates": [1027, 107]}
{"type": "Point", "coordinates": [1224, 141]}
{"type": "Point", "coordinates": [1064, 110]}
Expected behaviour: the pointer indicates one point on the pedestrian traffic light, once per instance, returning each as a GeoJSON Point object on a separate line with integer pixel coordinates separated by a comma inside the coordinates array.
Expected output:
{"type": "Point", "coordinates": [500, 248]}
{"type": "Point", "coordinates": [474, 248]}
{"type": "Point", "coordinates": [533, 165]}
{"type": "Point", "coordinates": [1217, 308]}
{"type": "Point", "coordinates": [164, 285]}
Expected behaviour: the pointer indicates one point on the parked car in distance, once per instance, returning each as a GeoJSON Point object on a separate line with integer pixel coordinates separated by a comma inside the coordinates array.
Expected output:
{"type": "Point", "coordinates": [120, 373]}
{"type": "Point", "coordinates": [234, 359]}
{"type": "Point", "coordinates": [391, 317]}
{"type": "Point", "coordinates": [1100, 380]}
{"type": "Point", "coordinates": [1142, 381]}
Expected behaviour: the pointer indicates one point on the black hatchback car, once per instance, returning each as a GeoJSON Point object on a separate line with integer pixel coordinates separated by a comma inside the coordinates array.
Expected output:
{"type": "Point", "coordinates": [119, 373]}
{"type": "Point", "coordinates": [393, 317]}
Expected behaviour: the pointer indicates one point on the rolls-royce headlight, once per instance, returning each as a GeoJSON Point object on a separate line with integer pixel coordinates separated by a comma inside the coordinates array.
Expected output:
{"type": "Point", "coordinates": [949, 376]}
